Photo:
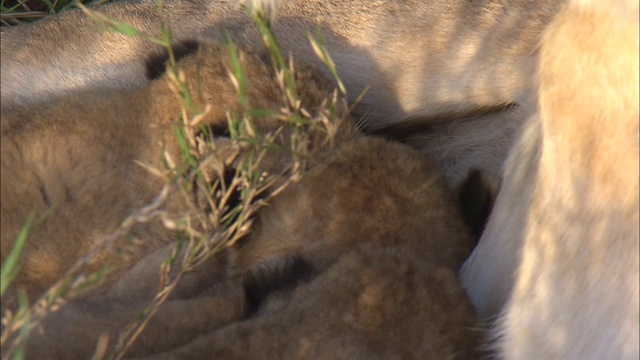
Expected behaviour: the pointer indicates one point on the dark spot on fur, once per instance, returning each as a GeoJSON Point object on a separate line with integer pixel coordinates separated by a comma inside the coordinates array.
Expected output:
{"type": "Point", "coordinates": [45, 195]}
{"type": "Point", "coordinates": [213, 131]}
{"type": "Point", "coordinates": [68, 194]}
{"type": "Point", "coordinates": [156, 63]}
{"type": "Point", "coordinates": [46, 198]}
{"type": "Point", "coordinates": [235, 198]}
{"type": "Point", "coordinates": [225, 190]}
{"type": "Point", "coordinates": [277, 276]}
{"type": "Point", "coordinates": [220, 130]}
{"type": "Point", "coordinates": [476, 195]}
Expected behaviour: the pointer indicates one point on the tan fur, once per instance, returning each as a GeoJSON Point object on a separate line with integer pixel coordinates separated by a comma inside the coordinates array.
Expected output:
{"type": "Point", "coordinates": [377, 277]}
{"type": "Point", "coordinates": [103, 60]}
{"type": "Point", "coordinates": [74, 330]}
{"type": "Point", "coordinates": [589, 169]}
{"type": "Point", "coordinates": [472, 58]}
{"type": "Point", "coordinates": [575, 222]}
{"type": "Point", "coordinates": [73, 155]}
{"type": "Point", "coordinates": [384, 288]}
{"type": "Point", "coordinates": [374, 303]}
{"type": "Point", "coordinates": [390, 288]}
{"type": "Point", "coordinates": [467, 55]}
{"type": "Point", "coordinates": [561, 248]}
{"type": "Point", "coordinates": [301, 218]}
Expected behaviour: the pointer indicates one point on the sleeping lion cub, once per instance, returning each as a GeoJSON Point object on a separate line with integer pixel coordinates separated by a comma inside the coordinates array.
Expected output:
{"type": "Point", "coordinates": [557, 268]}
{"type": "Point", "coordinates": [358, 259]}
{"type": "Point", "coordinates": [79, 160]}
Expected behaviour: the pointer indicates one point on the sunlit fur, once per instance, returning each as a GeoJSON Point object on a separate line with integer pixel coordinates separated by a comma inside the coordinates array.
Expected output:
{"type": "Point", "coordinates": [78, 160]}
{"type": "Point", "coordinates": [557, 266]}
{"type": "Point", "coordinates": [380, 231]}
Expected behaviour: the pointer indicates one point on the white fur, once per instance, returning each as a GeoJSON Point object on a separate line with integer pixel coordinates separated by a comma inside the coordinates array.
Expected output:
{"type": "Point", "coordinates": [477, 142]}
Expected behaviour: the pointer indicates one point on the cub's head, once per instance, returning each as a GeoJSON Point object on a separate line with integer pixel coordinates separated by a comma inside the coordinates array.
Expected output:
{"type": "Point", "coordinates": [371, 191]}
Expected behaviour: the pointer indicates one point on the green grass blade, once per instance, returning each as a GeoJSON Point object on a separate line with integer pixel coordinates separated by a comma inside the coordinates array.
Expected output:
{"type": "Point", "coordinates": [11, 267]}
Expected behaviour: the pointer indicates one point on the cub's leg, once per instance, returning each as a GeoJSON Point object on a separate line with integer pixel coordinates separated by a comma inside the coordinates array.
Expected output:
{"type": "Point", "coordinates": [203, 301]}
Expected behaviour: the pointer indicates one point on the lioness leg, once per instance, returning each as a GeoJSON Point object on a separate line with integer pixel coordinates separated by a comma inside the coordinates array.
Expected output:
{"type": "Point", "coordinates": [576, 291]}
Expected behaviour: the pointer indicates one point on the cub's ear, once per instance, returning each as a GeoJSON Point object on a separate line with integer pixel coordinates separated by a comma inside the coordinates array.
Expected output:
{"type": "Point", "coordinates": [156, 64]}
{"type": "Point", "coordinates": [476, 195]}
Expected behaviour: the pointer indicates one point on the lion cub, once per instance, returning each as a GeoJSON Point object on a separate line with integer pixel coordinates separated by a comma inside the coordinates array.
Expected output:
{"type": "Point", "coordinates": [339, 265]}
{"type": "Point", "coordinates": [78, 159]}
{"type": "Point", "coordinates": [366, 245]}
{"type": "Point", "coordinates": [356, 261]}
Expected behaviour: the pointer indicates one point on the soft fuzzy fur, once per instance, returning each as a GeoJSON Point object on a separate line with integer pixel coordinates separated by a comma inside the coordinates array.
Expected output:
{"type": "Point", "coordinates": [375, 233]}
{"type": "Point", "coordinates": [568, 211]}
{"type": "Point", "coordinates": [80, 157]}
{"type": "Point", "coordinates": [565, 229]}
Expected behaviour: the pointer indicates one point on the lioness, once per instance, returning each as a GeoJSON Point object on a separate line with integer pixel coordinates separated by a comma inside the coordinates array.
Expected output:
{"type": "Point", "coordinates": [568, 209]}
{"type": "Point", "coordinates": [571, 176]}
{"type": "Point", "coordinates": [420, 60]}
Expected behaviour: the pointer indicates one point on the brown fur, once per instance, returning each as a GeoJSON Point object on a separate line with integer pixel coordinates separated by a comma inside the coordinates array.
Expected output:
{"type": "Point", "coordinates": [385, 197]}
{"type": "Point", "coordinates": [376, 288]}
{"type": "Point", "coordinates": [74, 154]}
{"type": "Point", "coordinates": [373, 303]}
{"type": "Point", "coordinates": [493, 44]}
{"type": "Point", "coordinates": [378, 266]}
{"type": "Point", "coordinates": [389, 288]}
{"type": "Point", "coordinates": [568, 209]}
